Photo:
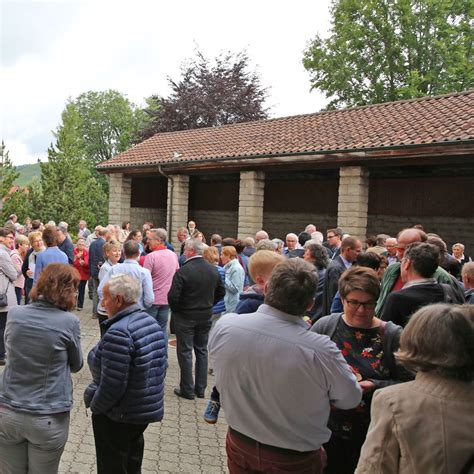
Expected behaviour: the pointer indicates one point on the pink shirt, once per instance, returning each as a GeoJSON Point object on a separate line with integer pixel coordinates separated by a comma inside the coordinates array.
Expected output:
{"type": "Point", "coordinates": [163, 264]}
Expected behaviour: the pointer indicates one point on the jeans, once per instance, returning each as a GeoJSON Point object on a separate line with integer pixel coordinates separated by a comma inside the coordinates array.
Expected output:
{"type": "Point", "coordinates": [118, 446]}
{"type": "Point", "coordinates": [3, 323]}
{"type": "Point", "coordinates": [192, 335]}
{"type": "Point", "coordinates": [31, 443]}
{"type": "Point", "coordinates": [81, 292]}
{"type": "Point", "coordinates": [161, 313]}
{"type": "Point", "coordinates": [250, 456]}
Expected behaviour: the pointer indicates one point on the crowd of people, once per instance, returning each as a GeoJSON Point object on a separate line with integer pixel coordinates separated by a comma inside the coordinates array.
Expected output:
{"type": "Point", "coordinates": [328, 354]}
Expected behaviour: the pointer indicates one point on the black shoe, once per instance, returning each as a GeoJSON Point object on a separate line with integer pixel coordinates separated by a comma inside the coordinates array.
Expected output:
{"type": "Point", "coordinates": [200, 394]}
{"type": "Point", "coordinates": [179, 393]}
{"type": "Point", "coordinates": [2, 362]}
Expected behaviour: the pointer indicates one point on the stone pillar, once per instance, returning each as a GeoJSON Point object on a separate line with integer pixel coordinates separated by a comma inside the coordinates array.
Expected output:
{"type": "Point", "coordinates": [252, 184]}
{"type": "Point", "coordinates": [178, 199]}
{"type": "Point", "coordinates": [120, 190]}
{"type": "Point", "coordinates": [353, 201]}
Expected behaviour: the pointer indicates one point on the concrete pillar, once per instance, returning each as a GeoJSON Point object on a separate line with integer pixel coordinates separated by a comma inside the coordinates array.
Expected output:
{"type": "Point", "coordinates": [120, 190]}
{"type": "Point", "coordinates": [178, 199]}
{"type": "Point", "coordinates": [252, 184]}
{"type": "Point", "coordinates": [353, 200]}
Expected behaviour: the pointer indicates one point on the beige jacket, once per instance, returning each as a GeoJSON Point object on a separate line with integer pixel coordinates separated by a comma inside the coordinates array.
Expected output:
{"type": "Point", "coordinates": [420, 427]}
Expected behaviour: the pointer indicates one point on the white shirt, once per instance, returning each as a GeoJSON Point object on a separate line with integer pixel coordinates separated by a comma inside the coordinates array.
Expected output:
{"type": "Point", "coordinates": [277, 379]}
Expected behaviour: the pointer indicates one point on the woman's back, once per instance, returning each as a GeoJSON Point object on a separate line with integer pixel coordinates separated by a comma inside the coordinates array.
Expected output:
{"type": "Point", "coordinates": [43, 347]}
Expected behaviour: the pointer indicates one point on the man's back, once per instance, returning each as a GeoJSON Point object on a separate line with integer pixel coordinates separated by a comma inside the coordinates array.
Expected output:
{"type": "Point", "coordinates": [162, 264]}
{"type": "Point", "coordinates": [276, 380]}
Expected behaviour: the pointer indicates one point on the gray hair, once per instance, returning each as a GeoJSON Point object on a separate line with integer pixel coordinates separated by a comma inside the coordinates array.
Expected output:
{"type": "Point", "coordinates": [266, 244]}
{"type": "Point", "coordinates": [126, 286]}
{"type": "Point", "coordinates": [317, 237]}
{"type": "Point", "coordinates": [63, 226]}
{"type": "Point", "coordinates": [381, 239]}
{"type": "Point", "coordinates": [160, 233]}
{"type": "Point", "coordinates": [131, 248]}
{"type": "Point", "coordinates": [195, 245]}
{"type": "Point", "coordinates": [461, 246]}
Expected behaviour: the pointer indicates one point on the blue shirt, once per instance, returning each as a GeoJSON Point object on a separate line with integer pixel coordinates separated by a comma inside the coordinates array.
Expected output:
{"type": "Point", "coordinates": [131, 267]}
{"type": "Point", "coordinates": [44, 258]}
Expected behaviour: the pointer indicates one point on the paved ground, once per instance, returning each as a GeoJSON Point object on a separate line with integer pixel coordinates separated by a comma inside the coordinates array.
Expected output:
{"type": "Point", "coordinates": [182, 442]}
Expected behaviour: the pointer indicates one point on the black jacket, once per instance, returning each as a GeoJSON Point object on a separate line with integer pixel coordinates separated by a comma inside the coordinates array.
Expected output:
{"type": "Point", "coordinates": [335, 269]}
{"type": "Point", "coordinates": [196, 287]}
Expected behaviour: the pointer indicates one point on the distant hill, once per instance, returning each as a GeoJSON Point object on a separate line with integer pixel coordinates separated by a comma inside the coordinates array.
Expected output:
{"type": "Point", "coordinates": [27, 173]}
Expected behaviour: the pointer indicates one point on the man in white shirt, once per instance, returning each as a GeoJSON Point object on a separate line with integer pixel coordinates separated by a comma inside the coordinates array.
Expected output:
{"type": "Point", "coordinates": [277, 379]}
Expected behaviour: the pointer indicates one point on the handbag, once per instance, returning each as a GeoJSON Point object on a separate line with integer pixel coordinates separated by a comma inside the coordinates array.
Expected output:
{"type": "Point", "coordinates": [4, 298]}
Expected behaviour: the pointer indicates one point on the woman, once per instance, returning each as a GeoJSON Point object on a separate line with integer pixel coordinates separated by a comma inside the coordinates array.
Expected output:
{"type": "Point", "coordinates": [136, 235]}
{"type": "Point", "coordinates": [318, 256]}
{"type": "Point", "coordinates": [29, 262]}
{"type": "Point", "coordinates": [368, 345]}
{"type": "Point", "coordinates": [427, 425]}
{"type": "Point", "coordinates": [18, 256]}
{"type": "Point", "coordinates": [124, 231]}
{"type": "Point", "coordinates": [43, 348]}
{"type": "Point", "coordinates": [112, 252]}
{"type": "Point", "coordinates": [211, 254]}
{"type": "Point", "coordinates": [234, 278]}
{"type": "Point", "coordinates": [8, 275]}
{"type": "Point", "coordinates": [81, 264]}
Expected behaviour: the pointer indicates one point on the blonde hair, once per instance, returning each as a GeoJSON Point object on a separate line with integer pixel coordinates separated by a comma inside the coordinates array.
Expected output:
{"type": "Point", "coordinates": [21, 239]}
{"type": "Point", "coordinates": [263, 262]}
{"type": "Point", "coordinates": [211, 254]}
{"type": "Point", "coordinates": [229, 251]}
{"type": "Point", "coordinates": [32, 236]}
{"type": "Point", "coordinates": [109, 246]}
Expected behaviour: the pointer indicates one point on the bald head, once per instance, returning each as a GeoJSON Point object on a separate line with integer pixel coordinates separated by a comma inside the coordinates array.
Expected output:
{"type": "Point", "coordinates": [261, 235]}
{"type": "Point", "coordinates": [407, 237]}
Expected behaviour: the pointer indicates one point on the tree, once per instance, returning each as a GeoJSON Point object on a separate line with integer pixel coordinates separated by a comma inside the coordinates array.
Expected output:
{"type": "Point", "coordinates": [208, 94]}
{"type": "Point", "coordinates": [8, 173]}
{"type": "Point", "coordinates": [387, 50]}
{"type": "Point", "coordinates": [69, 189]}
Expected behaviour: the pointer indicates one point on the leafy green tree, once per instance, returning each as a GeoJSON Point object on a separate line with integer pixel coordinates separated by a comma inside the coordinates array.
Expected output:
{"type": "Point", "coordinates": [8, 173]}
{"type": "Point", "coordinates": [208, 94]}
{"type": "Point", "coordinates": [19, 203]}
{"type": "Point", "coordinates": [386, 50]}
{"type": "Point", "coordinates": [69, 189]}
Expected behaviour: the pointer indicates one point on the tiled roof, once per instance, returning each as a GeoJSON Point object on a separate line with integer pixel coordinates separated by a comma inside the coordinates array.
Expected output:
{"type": "Point", "coordinates": [429, 120]}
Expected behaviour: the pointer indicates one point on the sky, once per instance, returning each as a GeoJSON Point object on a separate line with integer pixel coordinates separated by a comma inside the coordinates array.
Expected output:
{"type": "Point", "coordinates": [55, 50]}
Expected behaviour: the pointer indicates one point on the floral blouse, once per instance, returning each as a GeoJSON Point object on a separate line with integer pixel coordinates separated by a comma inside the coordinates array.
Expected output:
{"type": "Point", "coordinates": [363, 351]}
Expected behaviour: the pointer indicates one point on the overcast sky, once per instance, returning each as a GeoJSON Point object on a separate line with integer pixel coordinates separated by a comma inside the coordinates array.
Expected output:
{"type": "Point", "coordinates": [53, 50]}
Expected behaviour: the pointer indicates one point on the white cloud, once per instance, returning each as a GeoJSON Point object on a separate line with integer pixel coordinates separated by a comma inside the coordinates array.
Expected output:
{"type": "Point", "coordinates": [134, 47]}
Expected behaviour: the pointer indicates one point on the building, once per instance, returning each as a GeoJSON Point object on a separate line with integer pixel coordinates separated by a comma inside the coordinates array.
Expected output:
{"type": "Point", "coordinates": [369, 169]}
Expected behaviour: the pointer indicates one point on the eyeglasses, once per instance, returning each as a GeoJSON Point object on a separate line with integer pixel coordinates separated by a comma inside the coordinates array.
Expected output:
{"type": "Point", "coordinates": [354, 304]}
{"type": "Point", "coordinates": [331, 236]}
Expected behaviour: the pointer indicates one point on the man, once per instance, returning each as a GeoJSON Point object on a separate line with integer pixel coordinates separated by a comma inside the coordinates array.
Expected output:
{"type": "Point", "coordinates": [128, 368]}
{"type": "Point", "coordinates": [131, 267]}
{"type": "Point", "coordinates": [182, 234]}
{"type": "Point", "coordinates": [277, 379]}
{"type": "Point", "coordinates": [65, 244]}
{"type": "Point", "coordinates": [419, 287]}
{"type": "Point", "coordinates": [350, 248]}
{"type": "Point", "coordinates": [261, 235]}
{"type": "Point", "coordinates": [83, 232]}
{"type": "Point", "coordinates": [379, 248]}
{"type": "Point", "coordinates": [310, 228]}
{"type": "Point", "coordinates": [292, 250]}
{"type": "Point", "coordinates": [216, 241]}
{"type": "Point", "coordinates": [392, 280]}
{"type": "Point", "coordinates": [195, 289]}
{"type": "Point", "coordinates": [52, 254]}
{"type": "Point", "coordinates": [391, 246]}
{"type": "Point", "coordinates": [96, 259]}
{"type": "Point", "coordinates": [249, 246]}
{"type": "Point", "coordinates": [468, 280]}
{"type": "Point", "coordinates": [333, 242]}
{"type": "Point", "coordinates": [162, 264]}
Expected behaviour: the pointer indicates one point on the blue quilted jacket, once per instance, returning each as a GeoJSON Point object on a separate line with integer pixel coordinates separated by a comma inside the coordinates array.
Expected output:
{"type": "Point", "coordinates": [128, 369]}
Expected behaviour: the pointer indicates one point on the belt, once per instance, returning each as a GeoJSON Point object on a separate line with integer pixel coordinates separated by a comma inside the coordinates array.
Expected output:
{"type": "Point", "coordinates": [275, 449]}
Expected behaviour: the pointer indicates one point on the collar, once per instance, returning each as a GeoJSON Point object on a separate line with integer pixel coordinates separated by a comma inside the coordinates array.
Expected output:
{"type": "Point", "coordinates": [271, 311]}
{"type": "Point", "coordinates": [130, 260]}
{"type": "Point", "coordinates": [160, 247]}
{"type": "Point", "coordinates": [192, 258]}
{"type": "Point", "coordinates": [134, 308]}
{"type": "Point", "coordinates": [347, 264]}
{"type": "Point", "coordinates": [421, 281]}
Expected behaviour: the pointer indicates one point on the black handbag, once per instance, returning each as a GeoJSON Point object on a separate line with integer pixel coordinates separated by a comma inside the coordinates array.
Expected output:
{"type": "Point", "coordinates": [4, 298]}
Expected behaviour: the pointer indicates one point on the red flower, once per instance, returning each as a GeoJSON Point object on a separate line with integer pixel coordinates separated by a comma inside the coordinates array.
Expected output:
{"type": "Point", "coordinates": [366, 352]}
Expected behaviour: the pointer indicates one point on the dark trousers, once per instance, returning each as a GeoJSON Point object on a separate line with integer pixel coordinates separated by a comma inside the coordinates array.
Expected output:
{"type": "Point", "coordinates": [3, 323]}
{"type": "Point", "coordinates": [28, 286]}
{"type": "Point", "coordinates": [95, 296]}
{"type": "Point", "coordinates": [18, 294]}
{"type": "Point", "coordinates": [81, 293]}
{"type": "Point", "coordinates": [343, 455]}
{"type": "Point", "coordinates": [192, 335]}
{"type": "Point", "coordinates": [118, 446]}
{"type": "Point", "coordinates": [247, 456]}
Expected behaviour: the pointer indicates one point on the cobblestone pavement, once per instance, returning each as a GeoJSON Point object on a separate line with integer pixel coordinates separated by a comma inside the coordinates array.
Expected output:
{"type": "Point", "coordinates": [182, 443]}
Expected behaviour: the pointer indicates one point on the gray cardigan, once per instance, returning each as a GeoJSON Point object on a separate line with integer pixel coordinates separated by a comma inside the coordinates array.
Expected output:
{"type": "Point", "coordinates": [8, 275]}
{"type": "Point", "coordinates": [390, 343]}
{"type": "Point", "coordinates": [43, 347]}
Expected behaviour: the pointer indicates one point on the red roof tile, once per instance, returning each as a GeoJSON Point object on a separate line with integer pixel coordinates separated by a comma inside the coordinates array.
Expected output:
{"type": "Point", "coordinates": [429, 120]}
